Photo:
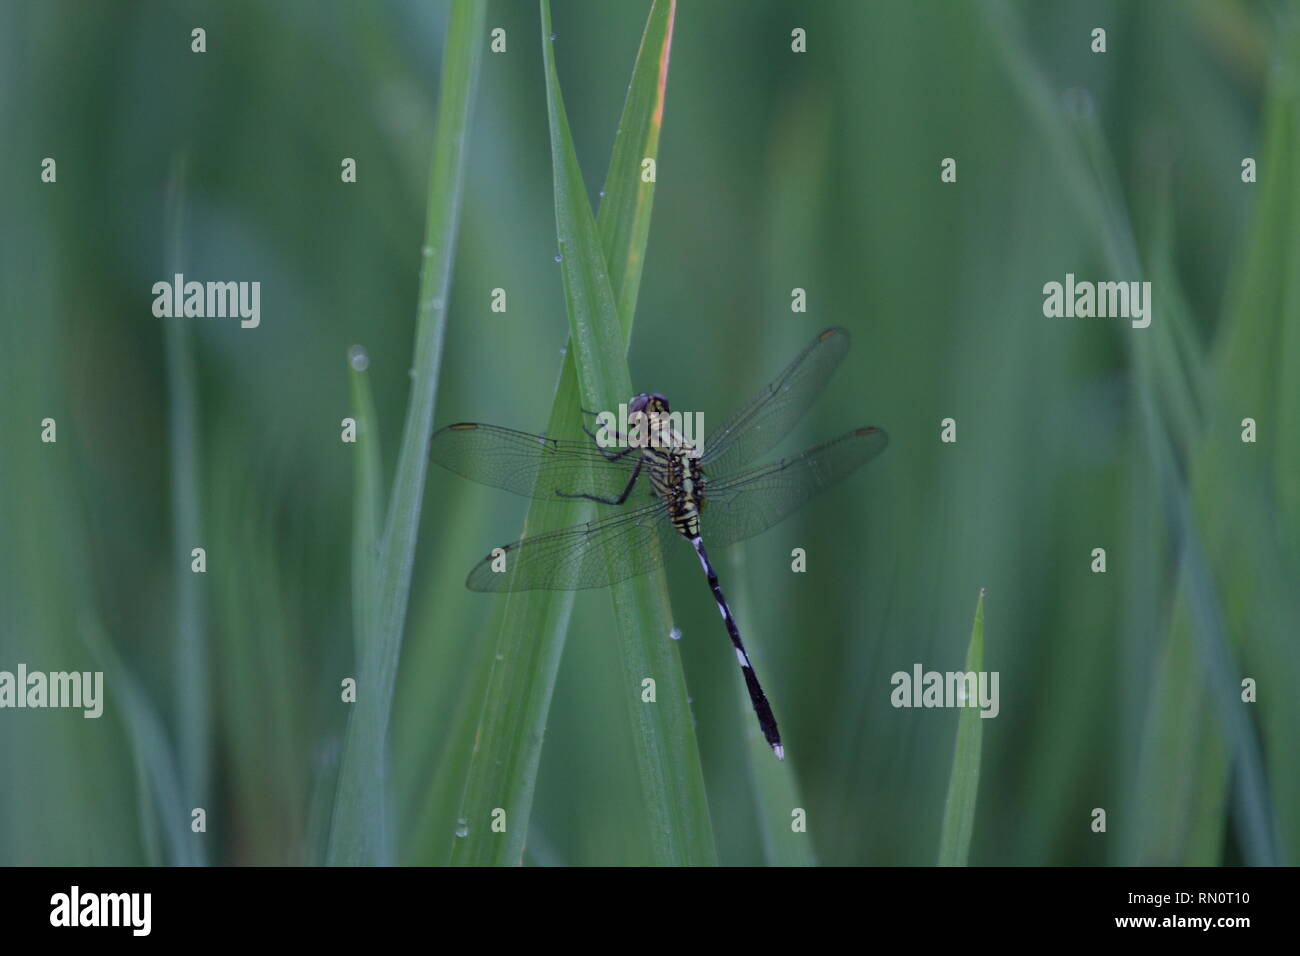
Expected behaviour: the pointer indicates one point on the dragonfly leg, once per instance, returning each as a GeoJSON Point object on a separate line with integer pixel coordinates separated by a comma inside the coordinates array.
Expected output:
{"type": "Point", "coordinates": [610, 456]}
{"type": "Point", "coordinates": [636, 472]}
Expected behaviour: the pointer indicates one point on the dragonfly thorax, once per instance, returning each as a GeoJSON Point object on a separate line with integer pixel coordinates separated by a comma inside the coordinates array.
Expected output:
{"type": "Point", "coordinates": [678, 480]}
{"type": "Point", "coordinates": [652, 424]}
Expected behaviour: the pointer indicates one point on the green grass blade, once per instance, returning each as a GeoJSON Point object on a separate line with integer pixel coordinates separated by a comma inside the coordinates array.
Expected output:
{"type": "Point", "coordinates": [508, 743]}
{"type": "Point", "coordinates": [666, 751]}
{"type": "Point", "coordinates": [164, 812]}
{"type": "Point", "coordinates": [964, 782]}
{"type": "Point", "coordinates": [192, 692]}
{"type": "Point", "coordinates": [367, 515]}
{"type": "Point", "coordinates": [361, 831]}
{"type": "Point", "coordinates": [367, 502]}
{"type": "Point", "coordinates": [624, 217]}
{"type": "Point", "coordinates": [503, 767]}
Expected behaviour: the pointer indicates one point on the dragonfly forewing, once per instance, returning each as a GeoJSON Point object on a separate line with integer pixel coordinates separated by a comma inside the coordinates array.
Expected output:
{"type": "Point", "coordinates": [759, 425]}
{"type": "Point", "coordinates": [534, 466]}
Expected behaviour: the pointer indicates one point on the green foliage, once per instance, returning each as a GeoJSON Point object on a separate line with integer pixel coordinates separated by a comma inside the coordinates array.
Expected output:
{"type": "Point", "coordinates": [775, 171]}
{"type": "Point", "coordinates": [594, 263]}
{"type": "Point", "coordinates": [361, 832]}
{"type": "Point", "coordinates": [964, 782]}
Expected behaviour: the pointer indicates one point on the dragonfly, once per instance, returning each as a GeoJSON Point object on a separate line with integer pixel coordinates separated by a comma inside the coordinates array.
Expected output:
{"type": "Point", "coordinates": [660, 491]}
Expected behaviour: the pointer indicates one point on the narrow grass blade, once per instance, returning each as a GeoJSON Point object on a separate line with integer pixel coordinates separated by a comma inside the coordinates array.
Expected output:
{"type": "Point", "coordinates": [663, 737]}
{"type": "Point", "coordinates": [193, 695]}
{"type": "Point", "coordinates": [624, 216]}
{"type": "Point", "coordinates": [164, 811]}
{"type": "Point", "coordinates": [503, 766]}
{"type": "Point", "coordinates": [964, 781]}
{"type": "Point", "coordinates": [367, 505]}
{"type": "Point", "coordinates": [361, 831]}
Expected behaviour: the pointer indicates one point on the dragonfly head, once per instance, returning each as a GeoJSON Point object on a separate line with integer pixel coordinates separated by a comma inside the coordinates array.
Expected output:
{"type": "Point", "coordinates": [648, 402]}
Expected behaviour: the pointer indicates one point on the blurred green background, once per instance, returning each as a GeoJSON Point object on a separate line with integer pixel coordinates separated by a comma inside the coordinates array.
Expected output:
{"type": "Point", "coordinates": [776, 170]}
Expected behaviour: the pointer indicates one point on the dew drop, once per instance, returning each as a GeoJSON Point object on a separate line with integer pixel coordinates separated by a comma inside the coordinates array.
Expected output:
{"type": "Point", "coordinates": [552, 37]}
{"type": "Point", "coordinates": [559, 258]}
{"type": "Point", "coordinates": [462, 827]}
{"type": "Point", "coordinates": [358, 358]}
{"type": "Point", "coordinates": [675, 634]}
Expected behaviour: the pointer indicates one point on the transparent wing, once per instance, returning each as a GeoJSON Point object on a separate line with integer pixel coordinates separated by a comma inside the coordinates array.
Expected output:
{"type": "Point", "coordinates": [530, 465]}
{"type": "Point", "coordinates": [578, 557]}
{"type": "Point", "coordinates": [761, 423]}
{"type": "Point", "coordinates": [742, 505]}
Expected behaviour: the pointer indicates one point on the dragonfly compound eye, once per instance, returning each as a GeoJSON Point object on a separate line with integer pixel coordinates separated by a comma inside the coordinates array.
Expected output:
{"type": "Point", "coordinates": [648, 402]}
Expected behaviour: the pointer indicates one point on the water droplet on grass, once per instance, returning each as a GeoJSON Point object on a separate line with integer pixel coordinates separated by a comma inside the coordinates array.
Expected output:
{"type": "Point", "coordinates": [358, 358]}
